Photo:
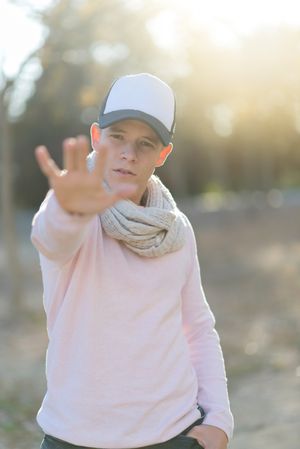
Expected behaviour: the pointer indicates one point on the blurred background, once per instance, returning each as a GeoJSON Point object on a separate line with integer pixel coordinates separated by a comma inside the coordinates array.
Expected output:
{"type": "Point", "coordinates": [235, 171]}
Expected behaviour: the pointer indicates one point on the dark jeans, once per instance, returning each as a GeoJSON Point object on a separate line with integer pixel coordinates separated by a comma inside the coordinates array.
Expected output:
{"type": "Point", "coordinates": [179, 442]}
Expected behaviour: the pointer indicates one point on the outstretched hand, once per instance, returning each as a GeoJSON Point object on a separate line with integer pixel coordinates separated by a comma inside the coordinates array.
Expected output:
{"type": "Point", "coordinates": [78, 190]}
{"type": "Point", "coordinates": [210, 437]}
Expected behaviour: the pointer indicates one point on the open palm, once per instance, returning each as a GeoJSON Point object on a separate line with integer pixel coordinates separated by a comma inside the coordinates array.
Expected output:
{"type": "Point", "coordinates": [78, 190]}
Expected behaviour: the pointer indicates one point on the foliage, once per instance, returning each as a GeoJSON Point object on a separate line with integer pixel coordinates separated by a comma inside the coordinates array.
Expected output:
{"type": "Point", "coordinates": [238, 109]}
{"type": "Point", "coordinates": [89, 44]}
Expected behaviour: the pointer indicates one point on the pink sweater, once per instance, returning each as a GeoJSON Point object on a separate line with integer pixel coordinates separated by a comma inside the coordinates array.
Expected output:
{"type": "Point", "coordinates": [132, 345]}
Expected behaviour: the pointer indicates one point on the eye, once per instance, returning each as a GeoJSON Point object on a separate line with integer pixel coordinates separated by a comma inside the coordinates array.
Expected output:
{"type": "Point", "coordinates": [117, 136]}
{"type": "Point", "coordinates": [146, 144]}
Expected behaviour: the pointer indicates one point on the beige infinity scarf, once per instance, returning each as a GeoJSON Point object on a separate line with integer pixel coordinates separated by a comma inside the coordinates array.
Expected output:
{"type": "Point", "coordinates": [150, 231]}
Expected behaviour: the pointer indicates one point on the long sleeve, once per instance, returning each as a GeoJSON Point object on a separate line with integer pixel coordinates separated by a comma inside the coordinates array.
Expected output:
{"type": "Point", "coordinates": [205, 350]}
{"type": "Point", "coordinates": [55, 233]}
{"type": "Point", "coordinates": [117, 352]}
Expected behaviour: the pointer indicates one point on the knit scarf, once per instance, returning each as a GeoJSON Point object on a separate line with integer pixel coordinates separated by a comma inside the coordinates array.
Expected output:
{"type": "Point", "coordinates": [150, 231]}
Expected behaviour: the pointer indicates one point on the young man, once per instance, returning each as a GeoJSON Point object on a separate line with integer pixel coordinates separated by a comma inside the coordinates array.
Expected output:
{"type": "Point", "coordinates": [133, 357]}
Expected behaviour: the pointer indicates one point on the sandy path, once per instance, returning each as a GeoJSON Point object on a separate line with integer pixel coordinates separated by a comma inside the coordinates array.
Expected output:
{"type": "Point", "coordinates": [250, 263]}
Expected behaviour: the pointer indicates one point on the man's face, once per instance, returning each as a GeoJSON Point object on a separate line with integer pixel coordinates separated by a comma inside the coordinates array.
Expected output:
{"type": "Point", "coordinates": [134, 150]}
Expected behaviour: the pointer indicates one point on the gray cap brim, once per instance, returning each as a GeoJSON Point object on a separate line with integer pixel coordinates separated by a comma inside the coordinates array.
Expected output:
{"type": "Point", "coordinates": [110, 118]}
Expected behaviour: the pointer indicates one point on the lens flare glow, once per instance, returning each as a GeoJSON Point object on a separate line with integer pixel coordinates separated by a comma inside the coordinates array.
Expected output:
{"type": "Point", "coordinates": [227, 21]}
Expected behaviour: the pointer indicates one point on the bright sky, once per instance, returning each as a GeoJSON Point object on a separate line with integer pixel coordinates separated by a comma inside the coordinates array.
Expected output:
{"type": "Point", "coordinates": [19, 34]}
{"type": "Point", "coordinates": [225, 20]}
{"type": "Point", "coordinates": [230, 19]}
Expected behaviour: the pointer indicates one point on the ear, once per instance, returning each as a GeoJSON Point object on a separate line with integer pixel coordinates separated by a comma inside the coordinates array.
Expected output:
{"type": "Point", "coordinates": [95, 134]}
{"type": "Point", "coordinates": [163, 155]}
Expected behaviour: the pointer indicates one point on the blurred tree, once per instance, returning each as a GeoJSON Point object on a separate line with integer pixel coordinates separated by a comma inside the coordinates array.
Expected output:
{"type": "Point", "coordinates": [238, 120]}
{"type": "Point", "coordinates": [89, 44]}
{"type": "Point", "coordinates": [8, 88]}
{"type": "Point", "coordinates": [242, 109]}
{"type": "Point", "coordinates": [12, 271]}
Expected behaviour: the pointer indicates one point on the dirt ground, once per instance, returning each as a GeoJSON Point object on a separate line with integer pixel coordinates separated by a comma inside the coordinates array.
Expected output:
{"type": "Point", "coordinates": [250, 264]}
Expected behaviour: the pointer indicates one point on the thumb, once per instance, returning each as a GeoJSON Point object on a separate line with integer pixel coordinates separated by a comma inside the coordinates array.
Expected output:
{"type": "Point", "coordinates": [46, 164]}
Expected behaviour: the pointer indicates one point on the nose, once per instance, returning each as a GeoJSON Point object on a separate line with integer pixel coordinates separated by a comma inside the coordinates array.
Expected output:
{"type": "Point", "coordinates": [129, 152]}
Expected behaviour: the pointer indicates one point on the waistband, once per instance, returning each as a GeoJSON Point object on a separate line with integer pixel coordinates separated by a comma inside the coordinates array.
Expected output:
{"type": "Point", "coordinates": [180, 441]}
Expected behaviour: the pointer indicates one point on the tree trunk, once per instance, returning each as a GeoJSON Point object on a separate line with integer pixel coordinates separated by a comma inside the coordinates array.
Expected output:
{"type": "Point", "coordinates": [13, 271]}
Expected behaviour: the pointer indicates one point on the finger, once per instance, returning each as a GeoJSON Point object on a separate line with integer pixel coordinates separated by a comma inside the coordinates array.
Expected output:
{"type": "Point", "coordinates": [100, 161]}
{"type": "Point", "coordinates": [46, 164]}
{"type": "Point", "coordinates": [69, 154]}
{"type": "Point", "coordinates": [82, 152]}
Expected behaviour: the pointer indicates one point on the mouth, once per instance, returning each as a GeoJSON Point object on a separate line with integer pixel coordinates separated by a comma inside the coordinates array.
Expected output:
{"type": "Point", "coordinates": [124, 172]}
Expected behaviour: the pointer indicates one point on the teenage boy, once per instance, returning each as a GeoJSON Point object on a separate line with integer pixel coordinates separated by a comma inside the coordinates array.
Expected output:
{"type": "Point", "coordinates": [133, 357]}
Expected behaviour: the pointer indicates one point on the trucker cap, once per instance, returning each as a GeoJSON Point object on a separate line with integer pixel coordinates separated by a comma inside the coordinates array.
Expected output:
{"type": "Point", "coordinates": [141, 97]}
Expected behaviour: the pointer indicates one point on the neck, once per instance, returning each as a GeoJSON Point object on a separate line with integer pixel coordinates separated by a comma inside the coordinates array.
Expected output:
{"type": "Point", "coordinates": [143, 200]}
